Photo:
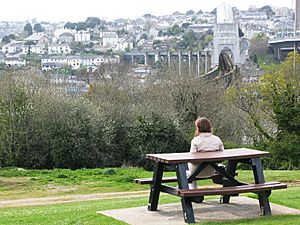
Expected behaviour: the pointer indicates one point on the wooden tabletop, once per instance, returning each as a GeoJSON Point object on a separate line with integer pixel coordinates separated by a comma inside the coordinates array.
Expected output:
{"type": "Point", "coordinates": [197, 157]}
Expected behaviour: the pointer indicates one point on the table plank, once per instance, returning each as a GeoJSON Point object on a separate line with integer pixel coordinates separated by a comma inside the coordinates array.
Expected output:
{"type": "Point", "coordinates": [211, 156]}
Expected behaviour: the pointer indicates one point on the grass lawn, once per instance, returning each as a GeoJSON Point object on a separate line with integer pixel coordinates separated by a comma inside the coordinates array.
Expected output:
{"type": "Point", "coordinates": [85, 181]}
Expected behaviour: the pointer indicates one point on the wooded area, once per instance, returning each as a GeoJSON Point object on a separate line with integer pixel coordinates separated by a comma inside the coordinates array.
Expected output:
{"type": "Point", "coordinates": [119, 119]}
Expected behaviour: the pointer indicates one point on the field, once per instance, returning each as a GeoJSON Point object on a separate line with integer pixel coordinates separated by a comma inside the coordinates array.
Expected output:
{"type": "Point", "coordinates": [18, 185]}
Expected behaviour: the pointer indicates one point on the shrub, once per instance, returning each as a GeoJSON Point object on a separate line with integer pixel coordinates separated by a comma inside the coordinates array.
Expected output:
{"type": "Point", "coordinates": [154, 135]}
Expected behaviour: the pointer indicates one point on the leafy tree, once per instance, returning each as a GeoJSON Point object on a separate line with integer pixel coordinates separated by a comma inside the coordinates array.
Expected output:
{"type": "Point", "coordinates": [272, 107]}
{"type": "Point", "coordinates": [81, 26]}
{"type": "Point", "coordinates": [175, 29]}
{"type": "Point", "coordinates": [155, 135]}
{"type": "Point", "coordinates": [38, 28]}
{"type": "Point", "coordinates": [259, 45]}
{"type": "Point", "coordinates": [189, 40]}
{"type": "Point", "coordinates": [190, 12]}
{"type": "Point", "coordinates": [207, 39]}
{"type": "Point", "coordinates": [147, 15]}
{"type": "Point", "coordinates": [122, 32]}
{"type": "Point", "coordinates": [6, 39]}
{"type": "Point", "coordinates": [28, 29]}
{"type": "Point", "coordinates": [12, 36]}
{"type": "Point", "coordinates": [92, 22]}
{"type": "Point", "coordinates": [69, 25]}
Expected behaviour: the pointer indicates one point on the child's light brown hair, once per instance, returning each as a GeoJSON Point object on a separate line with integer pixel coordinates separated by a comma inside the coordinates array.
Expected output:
{"type": "Point", "coordinates": [203, 125]}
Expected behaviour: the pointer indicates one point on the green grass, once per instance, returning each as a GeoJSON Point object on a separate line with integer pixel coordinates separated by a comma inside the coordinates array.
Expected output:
{"type": "Point", "coordinates": [16, 183]}
{"type": "Point", "coordinates": [73, 213]}
{"type": "Point", "coordinates": [85, 212]}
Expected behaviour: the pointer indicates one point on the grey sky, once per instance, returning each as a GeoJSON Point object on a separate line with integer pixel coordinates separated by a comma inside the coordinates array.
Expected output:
{"type": "Point", "coordinates": [74, 11]}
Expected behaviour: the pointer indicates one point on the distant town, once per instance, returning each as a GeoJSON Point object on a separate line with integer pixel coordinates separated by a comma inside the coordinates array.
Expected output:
{"type": "Point", "coordinates": [86, 45]}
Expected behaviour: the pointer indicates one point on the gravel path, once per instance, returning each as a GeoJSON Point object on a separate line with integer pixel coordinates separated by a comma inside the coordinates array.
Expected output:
{"type": "Point", "coordinates": [70, 198]}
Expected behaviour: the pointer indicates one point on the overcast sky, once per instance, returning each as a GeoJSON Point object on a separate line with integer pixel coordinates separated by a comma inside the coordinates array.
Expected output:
{"type": "Point", "coordinates": [76, 10]}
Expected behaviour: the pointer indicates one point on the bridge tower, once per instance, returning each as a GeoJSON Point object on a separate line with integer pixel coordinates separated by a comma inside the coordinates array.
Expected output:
{"type": "Point", "coordinates": [297, 18]}
{"type": "Point", "coordinates": [226, 36]}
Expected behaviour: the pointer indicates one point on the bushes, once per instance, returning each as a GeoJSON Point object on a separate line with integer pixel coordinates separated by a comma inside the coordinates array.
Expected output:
{"type": "Point", "coordinates": [285, 152]}
{"type": "Point", "coordinates": [117, 122]}
{"type": "Point", "coordinates": [40, 128]}
{"type": "Point", "coordinates": [155, 135]}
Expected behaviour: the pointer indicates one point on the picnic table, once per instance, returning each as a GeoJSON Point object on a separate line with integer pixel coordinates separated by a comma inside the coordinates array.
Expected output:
{"type": "Point", "coordinates": [230, 186]}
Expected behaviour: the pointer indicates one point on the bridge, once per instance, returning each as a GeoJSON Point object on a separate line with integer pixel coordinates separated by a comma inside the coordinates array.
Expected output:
{"type": "Point", "coordinates": [282, 46]}
{"type": "Point", "coordinates": [226, 36]}
{"type": "Point", "coordinates": [224, 59]}
{"type": "Point", "coordinates": [172, 57]}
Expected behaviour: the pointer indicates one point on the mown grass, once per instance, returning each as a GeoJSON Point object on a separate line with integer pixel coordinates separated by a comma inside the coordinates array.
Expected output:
{"type": "Point", "coordinates": [18, 183]}
{"type": "Point", "coordinates": [85, 212]}
{"type": "Point", "coordinates": [34, 183]}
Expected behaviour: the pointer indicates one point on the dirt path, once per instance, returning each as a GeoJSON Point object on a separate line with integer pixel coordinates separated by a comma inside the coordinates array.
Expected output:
{"type": "Point", "coordinates": [86, 197]}
{"type": "Point", "coordinates": [70, 198]}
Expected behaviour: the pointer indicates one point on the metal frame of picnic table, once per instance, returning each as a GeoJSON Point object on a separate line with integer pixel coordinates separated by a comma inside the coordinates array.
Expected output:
{"type": "Point", "coordinates": [180, 160]}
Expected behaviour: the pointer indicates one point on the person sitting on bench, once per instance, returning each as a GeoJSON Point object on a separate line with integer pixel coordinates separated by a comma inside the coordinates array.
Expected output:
{"type": "Point", "coordinates": [204, 141]}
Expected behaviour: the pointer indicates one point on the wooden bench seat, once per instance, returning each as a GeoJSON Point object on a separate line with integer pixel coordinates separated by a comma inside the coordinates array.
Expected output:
{"type": "Point", "coordinates": [256, 188]}
{"type": "Point", "coordinates": [164, 180]}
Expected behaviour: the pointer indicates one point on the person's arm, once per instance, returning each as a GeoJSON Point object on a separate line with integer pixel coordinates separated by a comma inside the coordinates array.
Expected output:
{"type": "Point", "coordinates": [219, 143]}
{"type": "Point", "coordinates": [221, 146]}
{"type": "Point", "coordinates": [193, 146]}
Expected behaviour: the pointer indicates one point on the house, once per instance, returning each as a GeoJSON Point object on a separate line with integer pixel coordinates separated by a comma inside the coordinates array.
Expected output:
{"type": "Point", "coordinates": [66, 38]}
{"type": "Point", "coordinates": [38, 39]}
{"type": "Point", "coordinates": [82, 36]}
{"type": "Point", "coordinates": [51, 66]}
{"type": "Point", "coordinates": [14, 61]}
{"type": "Point", "coordinates": [63, 36]}
{"type": "Point", "coordinates": [12, 48]}
{"type": "Point", "coordinates": [74, 61]}
{"type": "Point", "coordinates": [34, 49]}
{"type": "Point", "coordinates": [59, 49]}
{"type": "Point", "coordinates": [123, 45]}
{"type": "Point", "coordinates": [109, 39]}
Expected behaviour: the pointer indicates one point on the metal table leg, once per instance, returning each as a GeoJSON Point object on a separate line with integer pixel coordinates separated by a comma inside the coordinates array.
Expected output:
{"type": "Point", "coordinates": [155, 187]}
{"type": "Point", "coordinates": [187, 208]}
{"type": "Point", "coordinates": [231, 168]}
{"type": "Point", "coordinates": [259, 178]}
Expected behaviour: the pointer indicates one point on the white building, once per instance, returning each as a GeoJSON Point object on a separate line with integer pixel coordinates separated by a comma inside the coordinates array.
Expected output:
{"type": "Point", "coordinates": [12, 48]}
{"type": "Point", "coordinates": [82, 36]}
{"type": "Point", "coordinates": [59, 49]}
{"type": "Point", "coordinates": [63, 36]}
{"type": "Point", "coordinates": [282, 12]}
{"type": "Point", "coordinates": [75, 62]}
{"type": "Point", "coordinates": [14, 61]}
{"type": "Point", "coordinates": [109, 39]}
{"type": "Point", "coordinates": [123, 45]}
{"type": "Point", "coordinates": [34, 49]}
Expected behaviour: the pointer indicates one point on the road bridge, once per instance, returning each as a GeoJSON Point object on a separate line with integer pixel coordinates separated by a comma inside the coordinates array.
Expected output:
{"type": "Point", "coordinates": [282, 46]}
{"type": "Point", "coordinates": [190, 58]}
